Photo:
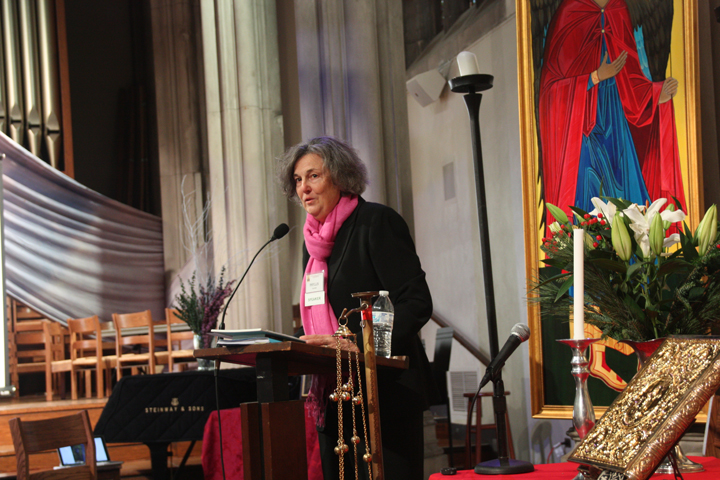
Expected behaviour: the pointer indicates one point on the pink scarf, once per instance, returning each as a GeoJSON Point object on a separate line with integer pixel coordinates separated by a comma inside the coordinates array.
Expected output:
{"type": "Point", "coordinates": [319, 241]}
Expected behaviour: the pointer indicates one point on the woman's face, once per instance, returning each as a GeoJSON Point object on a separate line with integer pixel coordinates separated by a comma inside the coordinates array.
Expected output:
{"type": "Point", "coordinates": [314, 187]}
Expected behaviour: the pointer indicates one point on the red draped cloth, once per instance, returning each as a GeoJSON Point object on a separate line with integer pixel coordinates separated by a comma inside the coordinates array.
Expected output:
{"type": "Point", "coordinates": [568, 109]}
{"type": "Point", "coordinates": [232, 447]}
{"type": "Point", "coordinates": [567, 471]}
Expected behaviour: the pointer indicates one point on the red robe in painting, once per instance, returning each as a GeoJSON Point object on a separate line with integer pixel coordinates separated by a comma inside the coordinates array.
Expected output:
{"type": "Point", "coordinates": [568, 108]}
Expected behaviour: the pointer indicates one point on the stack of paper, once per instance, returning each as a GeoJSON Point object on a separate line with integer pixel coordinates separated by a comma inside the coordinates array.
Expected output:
{"type": "Point", "coordinates": [251, 336]}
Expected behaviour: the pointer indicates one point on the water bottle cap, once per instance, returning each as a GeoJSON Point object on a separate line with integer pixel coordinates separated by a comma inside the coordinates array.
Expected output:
{"type": "Point", "coordinates": [384, 293]}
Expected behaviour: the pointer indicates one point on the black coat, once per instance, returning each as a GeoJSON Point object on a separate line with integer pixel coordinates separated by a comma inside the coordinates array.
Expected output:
{"type": "Point", "coordinates": [374, 251]}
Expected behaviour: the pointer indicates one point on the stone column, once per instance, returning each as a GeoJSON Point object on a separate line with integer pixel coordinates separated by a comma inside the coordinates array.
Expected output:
{"type": "Point", "coordinates": [351, 67]}
{"type": "Point", "coordinates": [244, 135]}
{"type": "Point", "coordinates": [179, 120]}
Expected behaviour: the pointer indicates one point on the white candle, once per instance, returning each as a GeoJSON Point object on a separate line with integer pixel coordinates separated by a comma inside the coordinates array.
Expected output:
{"type": "Point", "coordinates": [467, 63]}
{"type": "Point", "coordinates": [579, 283]}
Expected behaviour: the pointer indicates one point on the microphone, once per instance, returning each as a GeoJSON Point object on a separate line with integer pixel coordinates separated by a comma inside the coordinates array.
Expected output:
{"type": "Point", "coordinates": [279, 232]}
{"type": "Point", "coordinates": [519, 333]}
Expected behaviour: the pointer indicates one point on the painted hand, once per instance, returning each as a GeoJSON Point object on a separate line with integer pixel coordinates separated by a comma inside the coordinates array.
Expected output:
{"type": "Point", "coordinates": [608, 70]}
{"type": "Point", "coordinates": [669, 89]}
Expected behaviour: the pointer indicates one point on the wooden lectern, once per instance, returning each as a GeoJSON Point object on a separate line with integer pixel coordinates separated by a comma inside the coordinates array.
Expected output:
{"type": "Point", "coordinates": [272, 449]}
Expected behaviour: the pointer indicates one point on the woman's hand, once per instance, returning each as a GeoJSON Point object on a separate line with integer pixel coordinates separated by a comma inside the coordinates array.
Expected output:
{"type": "Point", "coordinates": [669, 89]}
{"type": "Point", "coordinates": [609, 70]}
{"type": "Point", "coordinates": [329, 341]}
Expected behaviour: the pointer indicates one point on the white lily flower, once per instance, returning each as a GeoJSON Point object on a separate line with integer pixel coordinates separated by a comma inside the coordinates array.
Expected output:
{"type": "Point", "coordinates": [669, 242]}
{"type": "Point", "coordinates": [607, 209]}
{"type": "Point", "coordinates": [673, 216]}
{"type": "Point", "coordinates": [641, 219]}
{"type": "Point", "coordinates": [555, 227]}
{"type": "Point", "coordinates": [644, 241]}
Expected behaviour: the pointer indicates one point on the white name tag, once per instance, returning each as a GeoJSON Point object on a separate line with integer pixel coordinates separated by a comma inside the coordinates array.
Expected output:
{"type": "Point", "coordinates": [314, 298]}
{"type": "Point", "coordinates": [314, 282]}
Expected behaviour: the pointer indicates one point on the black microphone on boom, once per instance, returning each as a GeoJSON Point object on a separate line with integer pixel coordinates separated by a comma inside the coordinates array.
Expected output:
{"type": "Point", "coordinates": [519, 333]}
{"type": "Point", "coordinates": [279, 232]}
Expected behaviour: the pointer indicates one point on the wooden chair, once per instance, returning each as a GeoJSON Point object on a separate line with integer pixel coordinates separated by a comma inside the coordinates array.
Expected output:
{"type": "Point", "coordinates": [33, 346]}
{"type": "Point", "coordinates": [86, 355]}
{"type": "Point", "coordinates": [30, 437]}
{"type": "Point", "coordinates": [142, 339]}
{"type": "Point", "coordinates": [181, 356]}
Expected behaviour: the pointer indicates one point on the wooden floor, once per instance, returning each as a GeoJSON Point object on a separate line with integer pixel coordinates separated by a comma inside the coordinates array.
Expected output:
{"type": "Point", "coordinates": [135, 455]}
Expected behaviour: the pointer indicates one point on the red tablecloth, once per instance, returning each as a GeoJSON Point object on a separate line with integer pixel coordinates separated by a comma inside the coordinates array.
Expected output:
{"type": "Point", "coordinates": [232, 447]}
{"type": "Point", "coordinates": [567, 471]}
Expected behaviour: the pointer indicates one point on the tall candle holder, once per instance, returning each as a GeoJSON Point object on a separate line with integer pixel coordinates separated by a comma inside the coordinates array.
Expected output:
{"type": "Point", "coordinates": [471, 83]}
{"type": "Point", "coordinates": [583, 412]}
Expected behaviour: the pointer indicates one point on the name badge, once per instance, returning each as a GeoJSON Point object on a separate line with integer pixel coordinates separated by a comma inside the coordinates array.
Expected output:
{"type": "Point", "coordinates": [315, 298]}
{"type": "Point", "coordinates": [314, 289]}
{"type": "Point", "coordinates": [314, 282]}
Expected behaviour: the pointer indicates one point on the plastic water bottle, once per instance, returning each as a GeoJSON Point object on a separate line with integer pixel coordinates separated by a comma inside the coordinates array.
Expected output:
{"type": "Point", "coordinates": [383, 315]}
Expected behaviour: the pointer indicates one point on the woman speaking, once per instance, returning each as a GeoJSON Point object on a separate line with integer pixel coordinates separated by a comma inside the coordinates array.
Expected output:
{"type": "Point", "coordinates": [361, 246]}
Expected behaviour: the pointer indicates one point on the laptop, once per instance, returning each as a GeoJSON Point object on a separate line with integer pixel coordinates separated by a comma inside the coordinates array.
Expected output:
{"type": "Point", "coordinates": [74, 455]}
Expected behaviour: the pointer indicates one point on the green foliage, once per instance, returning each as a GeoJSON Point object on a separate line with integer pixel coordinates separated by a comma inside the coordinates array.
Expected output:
{"type": "Point", "coordinates": [644, 297]}
{"type": "Point", "coordinates": [199, 306]}
{"type": "Point", "coordinates": [188, 305]}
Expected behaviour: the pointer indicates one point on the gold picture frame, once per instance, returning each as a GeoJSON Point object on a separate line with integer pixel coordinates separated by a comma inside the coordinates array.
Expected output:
{"type": "Point", "coordinates": [683, 65]}
{"type": "Point", "coordinates": [652, 413]}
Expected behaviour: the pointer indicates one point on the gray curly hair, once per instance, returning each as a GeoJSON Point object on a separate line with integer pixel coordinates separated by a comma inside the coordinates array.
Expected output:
{"type": "Point", "coordinates": [347, 171]}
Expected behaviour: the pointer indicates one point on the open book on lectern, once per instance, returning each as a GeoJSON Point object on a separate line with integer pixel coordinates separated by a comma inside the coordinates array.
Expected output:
{"type": "Point", "coordinates": [251, 336]}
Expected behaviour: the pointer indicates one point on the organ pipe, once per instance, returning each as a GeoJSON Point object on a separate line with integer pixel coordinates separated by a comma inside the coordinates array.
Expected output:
{"type": "Point", "coordinates": [30, 75]}
{"type": "Point", "coordinates": [13, 69]}
{"type": "Point", "coordinates": [30, 94]}
{"type": "Point", "coordinates": [50, 80]}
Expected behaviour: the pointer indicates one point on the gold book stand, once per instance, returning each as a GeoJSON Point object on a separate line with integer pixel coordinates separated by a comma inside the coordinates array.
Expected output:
{"type": "Point", "coordinates": [650, 416]}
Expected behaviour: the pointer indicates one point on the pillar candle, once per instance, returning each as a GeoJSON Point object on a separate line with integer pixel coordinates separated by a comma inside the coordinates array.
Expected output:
{"type": "Point", "coordinates": [467, 63]}
{"type": "Point", "coordinates": [579, 283]}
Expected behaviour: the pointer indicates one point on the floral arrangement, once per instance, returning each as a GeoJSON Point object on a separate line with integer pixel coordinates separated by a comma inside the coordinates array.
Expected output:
{"type": "Point", "coordinates": [641, 281]}
{"type": "Point", "coordinates": [200, 307]}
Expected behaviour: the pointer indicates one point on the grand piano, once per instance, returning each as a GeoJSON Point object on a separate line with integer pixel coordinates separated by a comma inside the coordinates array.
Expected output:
{"type": "Point", "coordinates": [170, 407]}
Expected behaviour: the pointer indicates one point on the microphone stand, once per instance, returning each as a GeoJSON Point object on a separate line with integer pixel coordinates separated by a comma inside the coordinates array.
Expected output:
{"type": "Point", "coordinates": [227, 303]}
{"type": "Point", "coordinates": [501, 465]}
{"type": "Point", "coordinates": [280, 231]}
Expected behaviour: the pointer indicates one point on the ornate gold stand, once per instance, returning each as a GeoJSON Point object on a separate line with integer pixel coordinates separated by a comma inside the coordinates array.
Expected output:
{"type": "Point", "coordinates": [373, 457]}
{"type": "Point", "coordinates": [644, 350]}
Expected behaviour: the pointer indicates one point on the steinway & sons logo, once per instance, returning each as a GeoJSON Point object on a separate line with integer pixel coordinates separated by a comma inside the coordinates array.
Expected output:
{"type": "Point", "coordinates": [175, 407]}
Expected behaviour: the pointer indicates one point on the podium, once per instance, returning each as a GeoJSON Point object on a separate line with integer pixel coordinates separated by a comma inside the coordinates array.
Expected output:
{"type": "Point", "coordinates": [272, 447]}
